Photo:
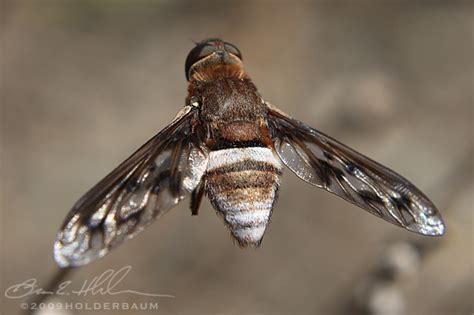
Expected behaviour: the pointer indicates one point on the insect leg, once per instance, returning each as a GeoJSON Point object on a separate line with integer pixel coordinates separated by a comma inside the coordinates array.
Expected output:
{"type": "Point", "coordinates": [196, 197]}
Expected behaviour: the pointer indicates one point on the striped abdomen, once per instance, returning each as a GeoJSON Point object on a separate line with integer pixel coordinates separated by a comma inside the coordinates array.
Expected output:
{"type": "Point", "coordinates": [242, 184]}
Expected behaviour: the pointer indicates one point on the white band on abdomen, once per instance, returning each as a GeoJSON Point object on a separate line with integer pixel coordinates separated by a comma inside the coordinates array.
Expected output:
{"type": "Point", "coordinates": [226, 157]}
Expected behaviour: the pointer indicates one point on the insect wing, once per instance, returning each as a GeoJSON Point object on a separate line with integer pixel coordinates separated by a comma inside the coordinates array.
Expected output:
{"type": "Point", "coordinates": [326, 163]}
{"type": "Point", "coordinates": [151, 181]}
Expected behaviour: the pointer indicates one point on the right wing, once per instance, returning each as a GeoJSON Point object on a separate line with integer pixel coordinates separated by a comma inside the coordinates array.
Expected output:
{"type": "Point", "coordinates": [326, 163]}
{"type": "Point", "coordinates": [151, 181]}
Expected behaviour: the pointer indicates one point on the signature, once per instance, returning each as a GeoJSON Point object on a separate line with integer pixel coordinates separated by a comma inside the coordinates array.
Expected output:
{"type": "Point", "coordinates": [104, 284]}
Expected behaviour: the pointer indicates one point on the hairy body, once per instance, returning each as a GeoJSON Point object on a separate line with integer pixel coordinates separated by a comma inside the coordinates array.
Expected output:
{"type": "Point", "coordinates": [243, 175]}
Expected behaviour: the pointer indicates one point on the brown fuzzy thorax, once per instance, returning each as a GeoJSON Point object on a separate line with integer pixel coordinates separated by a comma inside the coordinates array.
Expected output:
{"type": "Point", "coordinates": [231, 108]}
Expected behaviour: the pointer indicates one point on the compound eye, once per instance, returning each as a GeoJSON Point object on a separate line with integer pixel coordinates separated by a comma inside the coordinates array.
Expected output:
{"type": "Point", "coordinates": [233, 50]}
{"type": "Point", "coordinates": [197, 53]}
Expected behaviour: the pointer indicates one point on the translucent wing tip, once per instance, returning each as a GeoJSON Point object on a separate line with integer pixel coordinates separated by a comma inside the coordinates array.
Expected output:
{"type": "Point", "coordinates": [434, 228]}
{"type": "Point", "coordinates": [59, 257]}
{"type": "Point", "coordinates": [69, 255]}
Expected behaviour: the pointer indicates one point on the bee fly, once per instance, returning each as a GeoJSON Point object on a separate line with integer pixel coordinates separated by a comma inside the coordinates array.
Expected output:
{"type": "Point", "coordinates": [230, 144]}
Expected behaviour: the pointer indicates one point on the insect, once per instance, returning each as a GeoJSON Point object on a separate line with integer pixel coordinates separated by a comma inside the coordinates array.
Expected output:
{"type": "Point", "coordinates": [231, 144]}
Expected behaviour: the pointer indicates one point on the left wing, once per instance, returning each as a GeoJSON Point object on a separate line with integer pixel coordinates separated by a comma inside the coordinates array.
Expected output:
{"type": "Point", "coordinates": [326, 163]}
{"type": "Point", "coordinates": [151, 181]}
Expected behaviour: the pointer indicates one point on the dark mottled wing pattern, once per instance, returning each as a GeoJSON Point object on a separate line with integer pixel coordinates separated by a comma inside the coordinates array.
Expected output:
{"type": "Point", "coordinates": [327, 163]}
{"type": "Point", "coordinates": [151, 181]}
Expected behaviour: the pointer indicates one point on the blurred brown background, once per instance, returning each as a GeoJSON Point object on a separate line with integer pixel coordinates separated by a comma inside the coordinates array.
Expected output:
{"type": "Point", "coordinates": [84, 83]}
